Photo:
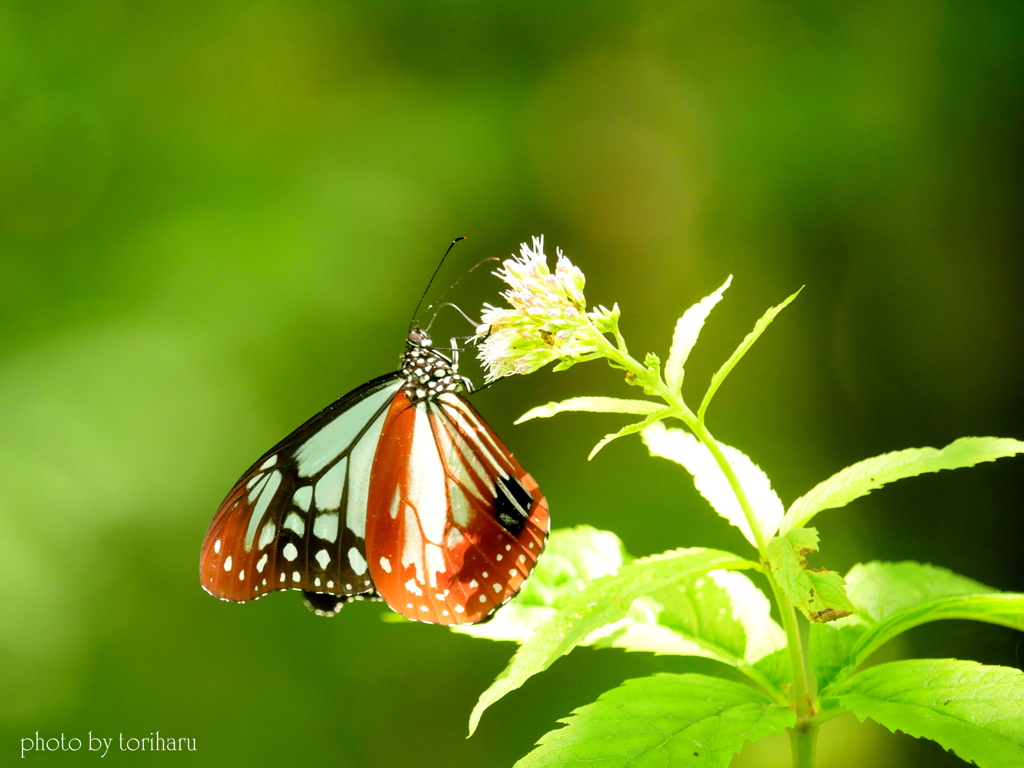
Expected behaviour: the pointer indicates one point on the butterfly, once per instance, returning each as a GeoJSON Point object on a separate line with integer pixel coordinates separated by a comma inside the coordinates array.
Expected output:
{"type": "Point", "coordinates": [398, 491]}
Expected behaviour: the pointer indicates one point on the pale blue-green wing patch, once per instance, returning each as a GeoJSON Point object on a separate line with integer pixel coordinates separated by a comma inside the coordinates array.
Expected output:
{"type": "Point", "coordinates": [297, 518]}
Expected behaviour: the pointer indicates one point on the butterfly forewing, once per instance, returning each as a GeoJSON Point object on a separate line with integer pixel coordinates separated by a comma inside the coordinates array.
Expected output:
{"type": "Point", "coordinates": [455, 524]}
{"type": "Point", "coordinates": [297, 518]}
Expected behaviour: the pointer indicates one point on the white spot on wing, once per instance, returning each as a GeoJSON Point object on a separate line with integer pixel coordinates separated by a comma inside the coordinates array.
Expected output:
{"type": "Point", "coordinates": [216, 546]}
{"type": "Point", "coordinates": [357, 561]}
{"type": "Point", "coordinates": [326, 527]}
{"type": "Point", "coordinates": [296, 576]}
{"type": "Point", "coordinates": [331, 487]}
{"type": "Point", "coordinates": [241, 575]}
{"type": "Point", "coordinates": [303, 497]}
{"type": "Point", "coordinates": [267, 535]}
{"type": "Point", "coordinates": [227, 564]}
{"type": "Point", "coordinates": [385, 564]}
{"type": "Point", "coordinates": [269, 462]}
{"type": "Point", "coordinates": [262, 563]}
{"type": "Point", "coordinates": [295, 523]}
{"type": "Point", "coordinates": [323, 558]}
{"type": "Point", "coordinates": [413, 587]}
{"type": "Point", "coordinates": [290, 552]}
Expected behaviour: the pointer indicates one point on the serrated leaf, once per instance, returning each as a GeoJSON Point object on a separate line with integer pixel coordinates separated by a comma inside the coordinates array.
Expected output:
{"type": "Point", "coordinates": [687, 330]}
{"type": "Point", "coordinates": [819, 595]}
{"type": "Point", "coordinates": [891, 598]}
{"type": "Point", "coordinates": [673, 721]}
{"type": "Point", "coordinates": [720, 375]}
{"type": "Point", "coordinates": [723, 608]}
{"type": "Point", "coordinates": [720, 615]}
{"type": "Point", "coordinates": [881, 589]}
{"type": "Point", "coordinates": [869, 475]}
{"type": "Point", "coordinates": [605, 601]}
{"type": "Point", "coordinates": [573, 558]}
{"type": "Point", "coordinates": [687, 451]}
{"type": "Point", "coordinates": [973, 710]}
{"type": "Point", "coordinates": [631, 429]}
{"type": "Point", "coordinates": [592, 405]}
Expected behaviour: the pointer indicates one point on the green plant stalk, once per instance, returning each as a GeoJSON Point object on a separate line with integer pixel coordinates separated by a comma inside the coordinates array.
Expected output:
{"type": "Point", "coordinates": [803, 740]}
{"type": "Point", "coordinates": [794, 643]}
{"type": "Point", "coordinates": [805, 733]}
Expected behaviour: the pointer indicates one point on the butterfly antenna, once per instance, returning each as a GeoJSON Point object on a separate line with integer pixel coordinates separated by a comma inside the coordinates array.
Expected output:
{"type": "Point", "coordinates": [457, 309]}
{"type": "Point", "coordinates": [431, 281]}
{"type": "Point", "coordinates": [467, 273]}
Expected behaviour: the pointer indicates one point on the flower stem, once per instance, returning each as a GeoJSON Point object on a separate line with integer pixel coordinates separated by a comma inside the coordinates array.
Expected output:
{"type": "Point", "coordinates": [802, 740]}
{"type": "Point", "coordinates": [804, 735]}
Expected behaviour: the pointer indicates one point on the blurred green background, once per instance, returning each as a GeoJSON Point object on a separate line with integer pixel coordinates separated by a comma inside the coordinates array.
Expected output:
{"type": "Point", "coordinates": [216, 217]}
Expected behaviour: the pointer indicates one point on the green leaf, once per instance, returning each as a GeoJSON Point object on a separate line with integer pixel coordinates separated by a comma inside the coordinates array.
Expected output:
{"type": "Point", "coordinates": [891, 598]}
{"type": "Point", "coordinates": [819, 595]}
{"type": "Point", "coordinates": [686, 450]}
{"type": "Point", "coordinates": [868, 475]}
{"type": "Point", "coordinates": [973, 710]}
{"type": "Point", "coordinates": [675, 721]}
{"type": "Point", "coordinates": [605, 601]}
{"type": "Point", "coordinates": [881, 589]}
{"type": "Point", "coordinates": [573, 558]}
{"type": "Point", "coordinates": [688, 328]}
{"type": "Point", "coordinates": [831, 648]}
{"type": "Point", "coordinates": [720, 615]}
{"type": "Point", "coordinates": [631, 429]}
{"type": "Point", "coordinates": [723, 609]}
{"type": "Point", "coordinates": [776, 668]}
{"type": "Point", "coordinates": [720, 375]}
{"type": "Point", "coordinates": [592, 405]}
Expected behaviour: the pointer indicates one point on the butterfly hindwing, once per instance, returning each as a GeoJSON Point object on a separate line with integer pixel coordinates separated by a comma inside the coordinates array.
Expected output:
{"type": "Point", "coordinates": [297, 518]}
{"type": "Point", "coordinates": [455, 524]}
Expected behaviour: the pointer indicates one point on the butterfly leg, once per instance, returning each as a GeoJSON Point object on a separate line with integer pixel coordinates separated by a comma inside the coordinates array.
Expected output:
{"type": "Point", "coordinates": [467, 383]}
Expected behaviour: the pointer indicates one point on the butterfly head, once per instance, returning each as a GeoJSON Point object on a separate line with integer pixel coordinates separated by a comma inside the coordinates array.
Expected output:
{"type": "Point", "coordinates": [428, 373]}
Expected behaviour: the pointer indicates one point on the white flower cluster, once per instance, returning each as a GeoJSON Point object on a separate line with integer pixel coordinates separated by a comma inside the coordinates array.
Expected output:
{"type": "Point", "coordinates": [548, 318]}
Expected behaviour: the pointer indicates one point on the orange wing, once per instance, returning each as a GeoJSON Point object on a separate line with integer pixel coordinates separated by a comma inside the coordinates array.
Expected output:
{"type": "Point", "coordinates": [454, 523]}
